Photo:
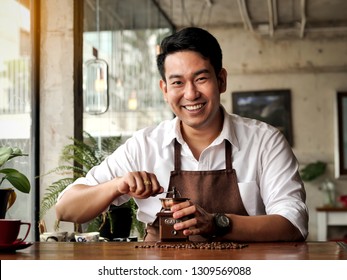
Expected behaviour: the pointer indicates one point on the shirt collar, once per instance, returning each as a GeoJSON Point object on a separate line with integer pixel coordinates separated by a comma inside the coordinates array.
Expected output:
{"type": "Point", "coordinates": [228, 132]}
{"type": "Point", "coordinates": [173, 132]}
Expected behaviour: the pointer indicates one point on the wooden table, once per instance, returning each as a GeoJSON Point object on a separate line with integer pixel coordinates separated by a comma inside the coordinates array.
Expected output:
{"type": "Point", "coordinates": [129, 251]}
{"type": "Point", "coordinates": [329, 216]}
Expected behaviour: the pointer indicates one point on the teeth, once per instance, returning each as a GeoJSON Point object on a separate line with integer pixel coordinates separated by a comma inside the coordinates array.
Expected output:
{"type": "Point", "coordinates": [194, 107]}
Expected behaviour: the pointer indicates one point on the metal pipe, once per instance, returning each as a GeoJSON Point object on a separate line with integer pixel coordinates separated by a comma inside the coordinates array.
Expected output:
{"type": "Point", "coordinates": [271, 18]}
{"type": "Point", "coordinates": [303, 18]}
{"type": "Point", "coordinates": [244, 14]}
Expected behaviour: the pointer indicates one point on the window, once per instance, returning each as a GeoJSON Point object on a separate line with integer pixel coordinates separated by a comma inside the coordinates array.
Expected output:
{"type": "Point", "coordinates": [16, 96]}
{"type": "Point", "coordinates": [125, 34]}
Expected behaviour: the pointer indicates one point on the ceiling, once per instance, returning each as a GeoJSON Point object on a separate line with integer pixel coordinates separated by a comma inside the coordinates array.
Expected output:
{"type": "Point", "coordinates": [266, 17]}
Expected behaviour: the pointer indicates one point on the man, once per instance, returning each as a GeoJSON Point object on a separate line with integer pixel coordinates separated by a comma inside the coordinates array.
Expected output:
{"type": "Point", "coordinates": [240, 174]}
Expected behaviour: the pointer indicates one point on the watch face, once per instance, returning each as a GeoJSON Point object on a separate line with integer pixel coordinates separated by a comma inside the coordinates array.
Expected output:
{"type": "Point", "coordinates": [223, 221]}
{"type": "Point", "coordinates": [223, 224]}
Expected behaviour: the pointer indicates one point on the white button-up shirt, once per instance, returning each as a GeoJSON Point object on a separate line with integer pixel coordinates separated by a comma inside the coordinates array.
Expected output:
{"type": "Point", "coordinates": [266, 168]}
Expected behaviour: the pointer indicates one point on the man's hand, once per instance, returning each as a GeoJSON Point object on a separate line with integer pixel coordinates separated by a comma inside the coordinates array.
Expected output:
{"type": "Point", "coordinates": [199, 221]}
{"type": "Point", "coordinates": [139, 184]}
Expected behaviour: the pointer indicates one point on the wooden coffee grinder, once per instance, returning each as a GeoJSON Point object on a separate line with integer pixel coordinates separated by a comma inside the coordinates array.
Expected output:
{"type": "Point", "coordinates": [166, 220]}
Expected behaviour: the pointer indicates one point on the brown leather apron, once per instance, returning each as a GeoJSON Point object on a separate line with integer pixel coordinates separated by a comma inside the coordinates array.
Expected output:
{"type": "Point", "coordinates": [216, 191]}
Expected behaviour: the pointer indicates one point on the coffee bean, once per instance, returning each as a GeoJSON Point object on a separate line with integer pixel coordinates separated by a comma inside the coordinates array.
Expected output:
{"type": "Point", "coordinates": [195, 245]}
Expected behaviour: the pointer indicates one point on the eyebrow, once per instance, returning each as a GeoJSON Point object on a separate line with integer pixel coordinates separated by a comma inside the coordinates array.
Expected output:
{"type": "Point", "coordinates": [197, 73]}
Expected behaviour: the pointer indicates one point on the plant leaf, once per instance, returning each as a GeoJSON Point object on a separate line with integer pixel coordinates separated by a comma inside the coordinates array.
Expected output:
{"type": "Point", "coordinates": [16, 152]}
{"type": "Point", "coordinates": [17, 179]}
{"type": "Point", "coordinates": [5, 153]}
{"type": "Point", "coordinates": [52, 193]}
{"type": "Point", "coordinates": [77, 159]}
{"type": "Point", "coordinates": [11, 199]}
{"type": "Point", "coordinates": [313, 170]}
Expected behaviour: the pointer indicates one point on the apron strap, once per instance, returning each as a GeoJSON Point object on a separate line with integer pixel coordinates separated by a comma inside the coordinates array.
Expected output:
{"type": "Point", "coordinates": [228, 155]}
{"type": "Point", "coordinates": [177, 152]}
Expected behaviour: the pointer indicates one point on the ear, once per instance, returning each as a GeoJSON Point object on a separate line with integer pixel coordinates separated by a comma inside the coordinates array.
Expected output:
{"type": "Point", "coordinates": [222, 80]}
{"type": "Point", "coordinates": [163, 87]}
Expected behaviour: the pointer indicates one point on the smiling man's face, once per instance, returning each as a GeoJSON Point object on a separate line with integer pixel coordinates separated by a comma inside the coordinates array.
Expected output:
{"type": "Point", "coordinates": [192, 89]}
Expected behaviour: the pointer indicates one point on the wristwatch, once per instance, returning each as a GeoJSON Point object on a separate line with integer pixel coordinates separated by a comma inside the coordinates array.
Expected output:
{"type": "Point", "coordinates": [222, 224]}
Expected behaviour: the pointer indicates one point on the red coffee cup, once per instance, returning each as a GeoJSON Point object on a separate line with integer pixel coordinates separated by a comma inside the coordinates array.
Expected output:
{"type": "Point", "coordinates": [9, 230]}
{"type": "Point", "coordinates": [343, 200]}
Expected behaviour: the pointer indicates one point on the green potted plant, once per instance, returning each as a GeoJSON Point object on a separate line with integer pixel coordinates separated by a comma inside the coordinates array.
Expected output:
{"type": "Point", "coordinates": [17, 179]}
{"type": "Point", "coordinates": [77, 159]}
{"type": "Point", "coordinates": [312, 172]}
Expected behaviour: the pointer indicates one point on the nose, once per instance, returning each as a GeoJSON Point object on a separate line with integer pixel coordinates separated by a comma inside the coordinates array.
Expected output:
{"type": "Point", "coordinates": [191, 92]}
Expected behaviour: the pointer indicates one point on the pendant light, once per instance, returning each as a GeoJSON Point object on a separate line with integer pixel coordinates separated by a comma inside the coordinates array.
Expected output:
{"type": "Point", "coordinates": [96, 89]}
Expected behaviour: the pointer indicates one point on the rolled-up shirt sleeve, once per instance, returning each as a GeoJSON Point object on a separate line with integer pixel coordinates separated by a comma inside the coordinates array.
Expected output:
{"type": "Point", "coordinates": [281, 187]}
{"type": "Point", "coordinates": [267, 172]}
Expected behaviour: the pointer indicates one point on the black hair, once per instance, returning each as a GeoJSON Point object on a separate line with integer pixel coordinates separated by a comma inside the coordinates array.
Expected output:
{"type": "Point", "coordinates": [191, 39]}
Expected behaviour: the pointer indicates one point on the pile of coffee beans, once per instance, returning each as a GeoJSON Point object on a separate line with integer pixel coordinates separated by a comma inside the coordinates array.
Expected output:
{"type": "Point", "coordinates": [194, 245]}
